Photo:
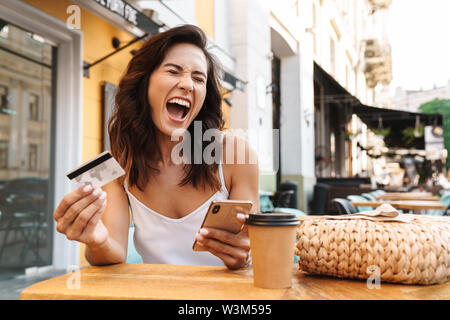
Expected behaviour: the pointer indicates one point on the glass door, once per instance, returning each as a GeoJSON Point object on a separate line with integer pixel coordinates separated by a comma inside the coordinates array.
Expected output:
{"type": "Point", "coordinates": [27, 74]}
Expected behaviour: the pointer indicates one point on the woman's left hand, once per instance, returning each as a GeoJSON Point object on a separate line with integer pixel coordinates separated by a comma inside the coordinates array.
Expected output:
{"type": "Point", "coordinates": [232, 249]}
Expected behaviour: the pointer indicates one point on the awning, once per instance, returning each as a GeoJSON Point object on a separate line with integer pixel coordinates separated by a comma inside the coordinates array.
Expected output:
{"type": "Point", "coordinates": [397, 122]}
{"type": "Point", "coordinates": [395, 119]}
{"type": "Point", "coordinates": [373, 117]}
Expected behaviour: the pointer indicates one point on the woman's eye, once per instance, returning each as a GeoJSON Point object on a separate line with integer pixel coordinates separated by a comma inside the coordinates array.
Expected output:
{"type": "Point", "coordinates": [201, 80]}
{"type": "Point", "coordinates": [173, 71]}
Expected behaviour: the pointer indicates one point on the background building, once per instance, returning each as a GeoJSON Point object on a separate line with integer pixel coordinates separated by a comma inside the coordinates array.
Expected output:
{"type": "Point", "coordinates": [351, 47]}
{"type": "Point", "coordinates": [410, 100]}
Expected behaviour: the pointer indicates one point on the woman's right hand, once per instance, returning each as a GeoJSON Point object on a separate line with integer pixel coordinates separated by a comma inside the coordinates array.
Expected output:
{"type": "Point", "coordinates": [78, 216]}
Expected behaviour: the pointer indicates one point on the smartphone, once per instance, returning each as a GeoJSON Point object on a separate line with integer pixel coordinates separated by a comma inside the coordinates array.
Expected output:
{"type": "Point", "coordinates": [222, 215]}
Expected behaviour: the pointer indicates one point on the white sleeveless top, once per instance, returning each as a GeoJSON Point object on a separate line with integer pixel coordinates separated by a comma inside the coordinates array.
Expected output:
{"type": "Point", "coordinates": [163, 240]}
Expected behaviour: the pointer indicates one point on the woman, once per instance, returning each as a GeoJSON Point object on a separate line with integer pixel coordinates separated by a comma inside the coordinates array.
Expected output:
{"type": "Point", "coordinates": [170, 83]}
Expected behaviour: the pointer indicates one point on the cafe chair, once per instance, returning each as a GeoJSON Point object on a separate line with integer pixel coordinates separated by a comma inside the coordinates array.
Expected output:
{"type": "Point", "coordinates": [359, 198]}
{"type": "Point", "coordinates": [132, 255]}
{"type": "Point", "coordinates": [344, 206]}
{"type": "Point", "coordinates": [282, 199]}
{"type": "Point", "coordinates": [23, 225]}
{"type": "Point", "coordinates": [265, 204]}
{"type": "Point", "coordinates": [368, 196]}
{"type": "Point", "coordinates": [446, 212]}
{"type": "Point", "coordinates": [446, 199]}
{"type": "Point", "coordinates": [377, 193]}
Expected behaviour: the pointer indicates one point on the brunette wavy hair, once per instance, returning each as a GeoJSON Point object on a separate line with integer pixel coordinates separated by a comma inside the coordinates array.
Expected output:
{"type": "Point", "coordinates": [131, 128]}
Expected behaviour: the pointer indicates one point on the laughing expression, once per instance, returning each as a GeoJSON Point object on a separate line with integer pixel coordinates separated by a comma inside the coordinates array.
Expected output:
{"type": "Point", "coordinates": [177, 88]}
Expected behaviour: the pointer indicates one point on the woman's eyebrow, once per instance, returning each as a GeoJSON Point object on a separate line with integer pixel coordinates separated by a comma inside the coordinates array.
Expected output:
{"type": "Point", "coordinates": [180, 68]}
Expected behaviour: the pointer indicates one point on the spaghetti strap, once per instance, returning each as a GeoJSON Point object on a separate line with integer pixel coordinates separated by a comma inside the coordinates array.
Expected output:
{"type": "Point", "coordinates": [222, 179]}
{"type": "Point", "coordinates": [125, 183]}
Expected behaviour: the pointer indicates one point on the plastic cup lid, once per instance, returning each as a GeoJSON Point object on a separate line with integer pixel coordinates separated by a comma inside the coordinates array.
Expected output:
{"type": "Point", "coordinates": [272, 219]}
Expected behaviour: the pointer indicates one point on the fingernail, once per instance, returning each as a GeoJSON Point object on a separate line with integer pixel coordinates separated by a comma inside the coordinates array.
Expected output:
{"type": "Point", "coordinates": [204, 232]}
{"type": "Point", "coordinates": [97, 192]}
{"type": "Point", "coordinates": [240, 216]}
{"type": "Point", "coordinates": [87, 188]}
{"type": "Point", "coordinates": [198, 237]}
{"type": "Point", "coordinates": [103, 196]}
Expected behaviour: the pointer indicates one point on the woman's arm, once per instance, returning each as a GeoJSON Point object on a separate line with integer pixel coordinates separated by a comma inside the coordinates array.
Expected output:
{"type": "Point", "coordinates": [98, 219]}
{"type": "Point", "coordinates": [116, 221]}
{"type": "Point", "coordinates": [244, 176]}
{"type": "Point", "coordinates": [233, 249]}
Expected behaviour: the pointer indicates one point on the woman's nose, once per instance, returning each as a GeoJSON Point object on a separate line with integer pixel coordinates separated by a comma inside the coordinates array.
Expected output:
{"type": "Point", "coordinates": [186, 83]}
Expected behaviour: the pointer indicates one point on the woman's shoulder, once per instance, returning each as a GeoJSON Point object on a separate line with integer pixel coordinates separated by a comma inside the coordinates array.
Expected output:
{"type": "Point", "coordinates": [240, 163]}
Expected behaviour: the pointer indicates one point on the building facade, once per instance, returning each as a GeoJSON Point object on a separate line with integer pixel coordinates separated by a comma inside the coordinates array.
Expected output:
{"type": "Point", "coordinates": [351, 46]}
{"type": "Point", "coordinates": [411, 100]}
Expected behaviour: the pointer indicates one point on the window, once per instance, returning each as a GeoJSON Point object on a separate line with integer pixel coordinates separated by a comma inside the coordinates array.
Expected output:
{"type": "Point", "coordinates": [3, 98]}
{"type": "Point", "coordinates": [4, 146]}
{"type": "Point", "coordinates": [32, 157]}
{"type": "Point", "coordinates": [4, 32]}
{"type": "Point", "coordinates": [49, 249]}
{"type": "Point", "coordinates": [4, 102]}
{"type": "Point", "coordinates": [34, 107]}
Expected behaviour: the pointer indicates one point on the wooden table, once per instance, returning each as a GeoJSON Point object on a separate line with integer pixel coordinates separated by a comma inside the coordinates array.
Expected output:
{"type": "Point", "coordinates": [422, 196]}
{"type": "Point", "coordinates": [145, 281]}
{"type": "Point", "coordinates": [403, 204]}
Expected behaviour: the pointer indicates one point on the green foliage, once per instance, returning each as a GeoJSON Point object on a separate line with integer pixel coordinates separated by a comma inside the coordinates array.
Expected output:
{"type": "Point", "coordinates": [436, 106]}
{"type": "Point", "coordinates": [443, 107]}
{"type": "Point", "coordinates": [410, 134]}
{"type": "Point", "coordinates": [382, 132]}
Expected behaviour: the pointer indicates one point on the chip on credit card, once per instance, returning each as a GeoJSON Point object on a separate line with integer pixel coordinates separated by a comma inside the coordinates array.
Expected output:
{"type": "Point", "coordinates": [97, 172]}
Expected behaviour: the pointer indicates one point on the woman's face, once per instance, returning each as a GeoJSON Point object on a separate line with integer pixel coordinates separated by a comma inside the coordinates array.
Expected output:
{"type": "Point", "coordinates": [177, 88]}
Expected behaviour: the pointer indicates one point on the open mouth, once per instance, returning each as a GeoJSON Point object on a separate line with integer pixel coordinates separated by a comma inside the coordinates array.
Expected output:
{"type": "Point", "coordinates": [178, 108]}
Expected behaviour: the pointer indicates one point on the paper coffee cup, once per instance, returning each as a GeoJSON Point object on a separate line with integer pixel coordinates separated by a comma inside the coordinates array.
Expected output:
{"type": "Point", "coordinates": [272, 243]}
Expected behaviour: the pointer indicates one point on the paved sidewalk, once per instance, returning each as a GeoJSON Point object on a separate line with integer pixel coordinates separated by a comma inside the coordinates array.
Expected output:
{"type": "Point", "coordinates": [12, 286]}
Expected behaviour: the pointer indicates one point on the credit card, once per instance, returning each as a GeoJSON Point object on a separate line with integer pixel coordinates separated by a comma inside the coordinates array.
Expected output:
{"type": "Point", "coordinates": [96, 172]}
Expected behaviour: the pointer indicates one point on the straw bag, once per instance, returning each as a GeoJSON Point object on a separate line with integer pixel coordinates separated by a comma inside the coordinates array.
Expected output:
{"type": "Point", "coordinates": [402, 248]}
